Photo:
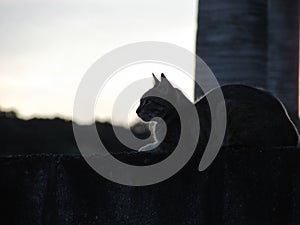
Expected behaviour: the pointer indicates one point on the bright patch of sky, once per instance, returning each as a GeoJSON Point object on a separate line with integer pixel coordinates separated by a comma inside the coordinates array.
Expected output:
{"type": "Point", "coordinates": [47, 46]}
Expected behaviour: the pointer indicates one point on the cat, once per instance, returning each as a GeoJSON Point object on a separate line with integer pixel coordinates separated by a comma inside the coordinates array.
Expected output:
{"type": "Point", "coordinates": [254, 117]}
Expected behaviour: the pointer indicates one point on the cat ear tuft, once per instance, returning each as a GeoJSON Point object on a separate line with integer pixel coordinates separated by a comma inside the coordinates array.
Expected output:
{"type": "Point", "coordinates": [165, 81]}
{"type": "Point", "coordinates": [156, 81]}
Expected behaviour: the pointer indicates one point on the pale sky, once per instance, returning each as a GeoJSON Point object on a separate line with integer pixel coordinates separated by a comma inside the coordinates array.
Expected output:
{"type": "Point", "coordinates": [47, 46]}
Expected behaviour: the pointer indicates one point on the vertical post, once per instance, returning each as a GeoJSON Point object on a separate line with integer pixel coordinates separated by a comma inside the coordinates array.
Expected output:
{"type": "Point", "coordinates": [232, 39]}
{"type": "Point", "coordinates": [283, 66]}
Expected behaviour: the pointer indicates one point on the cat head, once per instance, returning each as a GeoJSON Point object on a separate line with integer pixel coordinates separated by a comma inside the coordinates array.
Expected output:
{"type": "Point", "coordinates": [153, 106]}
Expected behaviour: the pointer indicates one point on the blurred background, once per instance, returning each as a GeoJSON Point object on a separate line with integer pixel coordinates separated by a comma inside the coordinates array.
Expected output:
{"type": "Point", "coordinates": [47, 46]}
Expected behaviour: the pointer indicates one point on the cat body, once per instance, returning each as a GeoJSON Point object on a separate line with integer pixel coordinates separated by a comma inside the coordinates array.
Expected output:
{"type": "Point", "coordinates": [254, 116]}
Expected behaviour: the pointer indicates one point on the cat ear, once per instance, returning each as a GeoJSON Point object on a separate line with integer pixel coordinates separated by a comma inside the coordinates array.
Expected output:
{"type": "Point", "coordinates": [156, 81]}
{"type": "Point", "coordinates": [165, 81]}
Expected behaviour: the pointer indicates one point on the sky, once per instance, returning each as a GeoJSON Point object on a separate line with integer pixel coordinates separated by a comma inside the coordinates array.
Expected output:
{"type": "Point", "coordinates": [47, 46]}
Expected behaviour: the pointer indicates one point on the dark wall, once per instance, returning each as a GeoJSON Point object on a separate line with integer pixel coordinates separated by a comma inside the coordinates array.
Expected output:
{"type": "Point", "coordinates": [283, 64]}
{"type": "Point", "coordinates": [242, 186]}
{"type": "Point", "coordinates": [232, 39]}
{"type": "Point", "coordinates": [252, 42]}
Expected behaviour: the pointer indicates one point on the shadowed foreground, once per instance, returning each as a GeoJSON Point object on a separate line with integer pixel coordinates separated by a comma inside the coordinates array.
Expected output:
{"type": "Point", "coordinates": [242, 186]}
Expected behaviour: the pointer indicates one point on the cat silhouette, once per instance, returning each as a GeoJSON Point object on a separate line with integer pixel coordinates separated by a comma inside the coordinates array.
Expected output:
{"type": "Point", "coordinates": [254, 117]}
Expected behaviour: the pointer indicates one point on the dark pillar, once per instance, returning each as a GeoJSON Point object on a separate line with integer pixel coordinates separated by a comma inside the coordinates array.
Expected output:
{"type": "Point", "coordinates": [232, 39]}
{"type": "Point", "coordinates": [284, 53]}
